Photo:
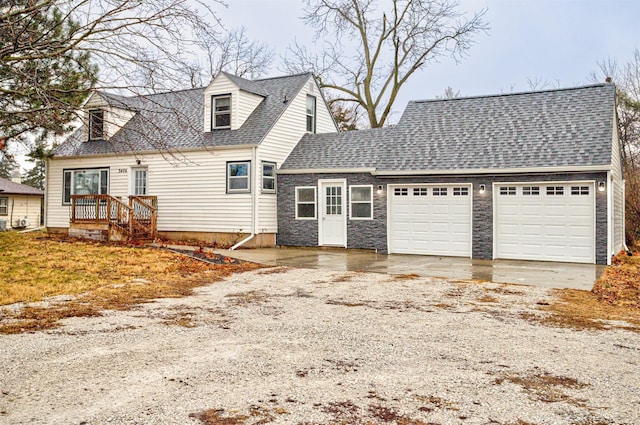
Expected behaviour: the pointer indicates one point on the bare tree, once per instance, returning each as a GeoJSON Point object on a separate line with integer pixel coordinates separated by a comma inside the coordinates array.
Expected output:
{"type": "Point", "coordinates": [368, 55]}
{"type": "Point", "coordinates": [54, 52]}
{"type": "Point", "coordinates": [235, 53]}
{"type": "Point", "coordinates": [449, 93]}
{"type": "Point", "coordinates": [627, 80]}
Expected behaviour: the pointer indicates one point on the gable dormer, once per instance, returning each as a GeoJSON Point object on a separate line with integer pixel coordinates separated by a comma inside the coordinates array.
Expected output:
{"type": "Point", "coordinates": [104, 115]}
{"type": "Point", "coordinates": [229, 100]}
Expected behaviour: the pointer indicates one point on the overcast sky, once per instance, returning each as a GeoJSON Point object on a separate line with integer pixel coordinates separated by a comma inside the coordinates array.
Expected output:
{"type": "Point", "coordinates": [558, 41]}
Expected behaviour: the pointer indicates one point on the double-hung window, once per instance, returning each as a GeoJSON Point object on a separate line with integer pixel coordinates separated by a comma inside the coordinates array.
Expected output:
{"type": "Point", "coordinates": [361, 202]}
{"type": "Point", "coordinates": [4, 205]}
{"type": "Point", "coordinates": [96, 124]}
{"type": "Point", "coordinates": [311, 114]}
{"type": "Point", "coordinates": [238, 176]}
{"type": "Point", "coordinates": [306, 203]}
{"type": "Point", "coordinates": [269, 177]}
{"type": "Point", "coordinates": [220, 112]}
{"type": "Point", "coordinates": [85, 182]}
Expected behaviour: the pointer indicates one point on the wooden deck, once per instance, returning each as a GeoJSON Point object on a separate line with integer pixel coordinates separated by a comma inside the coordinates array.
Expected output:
{"type": "Point", "coordinates": [135, 220]}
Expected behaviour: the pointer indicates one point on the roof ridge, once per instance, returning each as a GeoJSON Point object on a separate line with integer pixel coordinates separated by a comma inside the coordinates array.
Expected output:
{"type": "Point", "coordinates": [137, 96]}
{"type": "Point", "coordinates": [284, 76]}
{"type": "Point", "coordinates": [486, 96]}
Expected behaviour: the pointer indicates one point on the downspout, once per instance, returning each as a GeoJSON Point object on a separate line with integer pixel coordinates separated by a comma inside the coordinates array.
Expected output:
{"type": "Point", "coordinates": [254, 202]}
{"type": "Point", "coordinates": [13, 203]}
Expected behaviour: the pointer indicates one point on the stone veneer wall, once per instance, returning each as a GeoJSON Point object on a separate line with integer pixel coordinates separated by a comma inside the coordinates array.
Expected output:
{"type": "Point", "coordinates": [372, 234]}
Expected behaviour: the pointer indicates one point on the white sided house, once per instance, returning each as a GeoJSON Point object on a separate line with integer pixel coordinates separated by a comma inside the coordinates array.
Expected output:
{"type": "Point", "coordinates": [20, 205]}
{"type": "Point", "coordinates": [193, 164]}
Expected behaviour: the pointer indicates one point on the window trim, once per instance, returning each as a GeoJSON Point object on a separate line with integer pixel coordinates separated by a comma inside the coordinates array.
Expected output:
{"type": "Point", "coordinates": [351, 201]}
{"type": "Point", "coordinates": [72, 171]}
{"type": "Point", "coordinates": [134, 170]}
{"type": "Point", "coordinates": [275, 167]}
{"type": "Point", "coordinates": [6, 205]}
{"type": "Point", "coordinates": [214, 113]}
{"type": "Point", "coordinates": [228, 187]}
{"type": "Point", "coordinates": [92, 116]}
{"type": "Point", "coordinates": [314, 203]}
{"type": "Point", "coordinates": [314, 115]}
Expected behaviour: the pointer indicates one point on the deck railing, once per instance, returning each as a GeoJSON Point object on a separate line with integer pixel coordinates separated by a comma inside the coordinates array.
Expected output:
{"type": "Point", "coordinates": [138, 219]}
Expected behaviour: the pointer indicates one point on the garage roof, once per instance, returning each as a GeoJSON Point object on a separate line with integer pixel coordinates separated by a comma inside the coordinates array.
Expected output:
{"type": "Point", "coordinates": [570, 127]}
{"type": "Point", "coordinates": [7, 187]}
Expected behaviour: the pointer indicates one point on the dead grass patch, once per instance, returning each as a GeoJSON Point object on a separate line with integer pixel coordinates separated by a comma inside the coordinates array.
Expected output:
{"type": "Point", "coordinates": [257, 414]}
{"type": "Point", "coordinates": [546, 387]}
{"type": "Point", "coordinates": [487, 299]}
{"type": "Point", "coordinates": [247, 298]}
{"type": "Point", "coordinates": [406, 276]}
{"type": "Point", "coordinates": [619, 285]}
{"type": "Point", "coordinates": [99, 276]}
{"type": "Point", "coordinates": [583, 310]}
{"type": "Point", "coordinates": [274, 270]}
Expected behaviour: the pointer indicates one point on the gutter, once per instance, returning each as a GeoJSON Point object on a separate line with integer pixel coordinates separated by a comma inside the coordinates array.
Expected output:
{"type": "Point", "coordinates": [461, 171]}
{"type": "Point", "coordinates": [254, 201]}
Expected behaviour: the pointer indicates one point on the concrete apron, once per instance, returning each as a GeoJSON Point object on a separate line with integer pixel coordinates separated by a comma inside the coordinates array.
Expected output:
{"type": "Point", "coordinates": [536, 273]}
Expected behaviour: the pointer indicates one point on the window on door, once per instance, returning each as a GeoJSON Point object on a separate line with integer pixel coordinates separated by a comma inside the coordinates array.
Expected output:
{"type": "Point", "coordinates": [140, 181]}
{"type": "Point", "coordinates": [333, 200]}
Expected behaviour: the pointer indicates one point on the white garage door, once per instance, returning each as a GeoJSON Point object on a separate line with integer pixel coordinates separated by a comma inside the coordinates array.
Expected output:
{"type": "Point", "coordinates": [545, 221]}
{"type": "Point", "coordinates": [430, 220]}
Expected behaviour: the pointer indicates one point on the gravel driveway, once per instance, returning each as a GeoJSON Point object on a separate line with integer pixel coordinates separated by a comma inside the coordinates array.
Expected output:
{"type": "Point", "coordinates": [293, 346]}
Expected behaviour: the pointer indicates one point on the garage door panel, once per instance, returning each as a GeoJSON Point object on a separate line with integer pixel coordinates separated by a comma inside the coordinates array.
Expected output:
{"type": "Point", "coordinates": [547, 226]}
{"type": "Point", "coordinates": [436, 224]}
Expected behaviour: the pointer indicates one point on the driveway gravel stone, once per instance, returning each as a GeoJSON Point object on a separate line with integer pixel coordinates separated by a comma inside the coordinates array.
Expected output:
{"type": "Point", "coordinates": [295, 346]}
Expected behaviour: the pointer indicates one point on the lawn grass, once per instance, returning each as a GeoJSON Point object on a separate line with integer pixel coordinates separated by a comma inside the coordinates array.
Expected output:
{"type": "Point", "coordinates": [36, 266]}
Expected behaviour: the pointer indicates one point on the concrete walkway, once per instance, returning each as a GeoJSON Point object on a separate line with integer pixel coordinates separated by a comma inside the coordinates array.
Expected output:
{"type": "Point", "coordinates": [542, 274]}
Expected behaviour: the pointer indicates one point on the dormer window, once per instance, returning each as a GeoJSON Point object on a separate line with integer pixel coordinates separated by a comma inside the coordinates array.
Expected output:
{"type": "Point", "coordinates": [221, 112]}
{"type": "Point", "coordinates": [96, 124]}
{"type": "Point", "coordinates": [311, 114]}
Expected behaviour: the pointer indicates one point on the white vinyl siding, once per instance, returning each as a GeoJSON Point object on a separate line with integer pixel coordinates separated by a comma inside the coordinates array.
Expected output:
{"type": "Point", "coordinates": [242, 103]}
{"type": "Point", "coordinates": [21, 206]}
{"type": "Point", "coordinates": [283, 137]}
{"type": "Point", "coordinates": [191, 194]}
{"type": "Point", "coordinates": [617, 189]}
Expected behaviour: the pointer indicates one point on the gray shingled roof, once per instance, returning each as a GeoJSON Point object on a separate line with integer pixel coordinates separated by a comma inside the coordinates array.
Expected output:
{"type": "Point", "coordinates": [247, 85]}
{"type": "Point", "coordinates": [555, 128]}
{"type": "Point", "coordinates": [7, 187]}
{"type": "Point", "coordinates": [175, 120]}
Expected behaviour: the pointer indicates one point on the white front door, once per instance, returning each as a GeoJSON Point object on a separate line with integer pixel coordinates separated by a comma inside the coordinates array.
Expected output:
{"type": "Point", "coordinates": [332, 213]}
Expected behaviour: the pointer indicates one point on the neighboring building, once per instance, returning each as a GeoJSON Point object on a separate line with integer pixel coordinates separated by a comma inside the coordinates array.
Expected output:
{"type": "Point", "coordinates": [20, 205]}
{"type": "Point", "coordinates": [532, 176]}
{"type": "Point", "coordinates": [204, 160]}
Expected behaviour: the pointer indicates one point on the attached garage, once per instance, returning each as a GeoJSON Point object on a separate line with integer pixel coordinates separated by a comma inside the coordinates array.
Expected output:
{"type": "Point", "coordinates": [545, 221]}
{"type": "Point", "coordinates": [430, 220]}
